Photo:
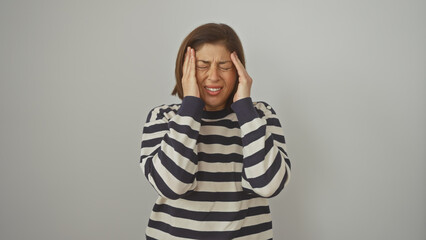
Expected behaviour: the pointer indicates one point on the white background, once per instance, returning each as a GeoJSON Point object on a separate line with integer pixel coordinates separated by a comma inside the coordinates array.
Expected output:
{"type": "Point", "coordinates": [346, 78]}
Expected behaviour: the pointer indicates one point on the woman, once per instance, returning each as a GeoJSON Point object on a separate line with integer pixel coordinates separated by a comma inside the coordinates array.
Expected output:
{"type": "Point", "coordinates": [215, 158]}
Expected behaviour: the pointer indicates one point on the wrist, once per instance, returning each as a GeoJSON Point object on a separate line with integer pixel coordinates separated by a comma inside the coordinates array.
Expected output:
{"type": "Point", "coordinates": [245, 110]}
{"type": "Point", "coordinates": [191, 106]}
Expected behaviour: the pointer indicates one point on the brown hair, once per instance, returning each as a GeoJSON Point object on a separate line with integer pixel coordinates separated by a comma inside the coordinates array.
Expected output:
{"type": "Point", "coordinates": [208, 33]}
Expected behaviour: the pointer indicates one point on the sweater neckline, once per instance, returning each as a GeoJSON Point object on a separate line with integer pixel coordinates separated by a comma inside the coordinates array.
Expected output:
{"type": "Point", "coordinates": [216, 114]}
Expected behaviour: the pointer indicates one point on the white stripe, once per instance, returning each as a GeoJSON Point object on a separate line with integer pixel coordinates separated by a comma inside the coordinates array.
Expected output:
{"type": "Point", "coordinates": [254, 124]}
{"type": "Point", "coordinates": [208, 186]}
{"type": "Point", "coordinates": [273, 185]}
{"type": "Point", "coordinates": [172, 182]}
{"type": "Point", "coordinates": [206, 206]}
{"type": "Point", "coordinates": [262, 166]}
{"type": "Point", "coordinates": [219, 148]}
{"type": "Point", "coordinates": [210, 225]}
{"type": "Point", "coordinates": [148, 150]}
{"type": "Point", "coordinates": [149, 136]}
{"type": "Point", "coordinates": [157, 110]}
{"type": "Point", "coordinates": [142, 164]}
{"type": "Point", "coordinates": [155, 122]}
{"type": "Point", "coordinates": [186, 120]}
{"type": "Point", "coordinates": [182, 138]}
{"type": "Point", "coordinates": [288, 172]}
{"type": "Point", "coordinates": [220, 167]}
{"type": "Point", "coordinates": [172, 153]}
{"type": "Point", "coordinates": [158, 234]}
{"type": "Point", "coordinates": [180, 160]}
{"type": "Point", "coordinates": [274, 129]}
{"type": "Point", "coordinates": [220, 130]}
{"type": "Point", "coordinates": [254, 147]}
{"type": "Point", "coordinates": [151, 180]}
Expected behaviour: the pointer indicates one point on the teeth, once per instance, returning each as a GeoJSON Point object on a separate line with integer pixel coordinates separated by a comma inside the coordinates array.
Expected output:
{"type": "Point", "coordinates": [213, 89]}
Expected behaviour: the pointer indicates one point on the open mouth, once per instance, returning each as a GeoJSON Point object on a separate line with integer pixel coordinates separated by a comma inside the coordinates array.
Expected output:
{"type": "Point", "coordinates": [213, 90]}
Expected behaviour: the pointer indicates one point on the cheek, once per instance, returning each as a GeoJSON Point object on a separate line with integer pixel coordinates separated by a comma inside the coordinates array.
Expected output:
{"type": "Point", "coordinates": [200, 75]}
{"type": "Point", "coordinates": [231, 79]}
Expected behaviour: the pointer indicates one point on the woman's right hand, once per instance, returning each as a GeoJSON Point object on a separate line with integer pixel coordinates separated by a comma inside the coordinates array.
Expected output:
{"type": "Point", "coordinates": [189, 81]}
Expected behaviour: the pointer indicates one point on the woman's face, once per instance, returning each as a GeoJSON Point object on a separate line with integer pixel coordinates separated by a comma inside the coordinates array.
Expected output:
{"type": "Point", "coordinates": [216, 75]}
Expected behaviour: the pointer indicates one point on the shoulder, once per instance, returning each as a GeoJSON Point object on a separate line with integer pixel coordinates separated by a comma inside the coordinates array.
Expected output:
{"type": "Point", "coordinates": [164, 111]}
{"type": "Point", "coordinates": [263, 108]}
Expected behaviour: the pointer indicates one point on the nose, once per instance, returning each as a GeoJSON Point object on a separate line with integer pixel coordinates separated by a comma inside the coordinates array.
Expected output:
{"type": "Point", "coordinates": [214, 74]}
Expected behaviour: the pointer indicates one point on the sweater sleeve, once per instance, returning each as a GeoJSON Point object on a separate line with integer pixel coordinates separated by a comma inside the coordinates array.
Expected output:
{"type": "Point", "coordinates": [266, 166]}
{"type": "Point", "coordinates": [168, 150]}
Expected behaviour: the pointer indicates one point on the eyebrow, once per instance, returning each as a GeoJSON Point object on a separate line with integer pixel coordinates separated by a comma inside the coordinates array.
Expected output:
{"type": "Point", "coordinates": [208, 62]}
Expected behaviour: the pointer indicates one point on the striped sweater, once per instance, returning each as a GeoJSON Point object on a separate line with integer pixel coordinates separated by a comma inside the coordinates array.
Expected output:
{"type": "Point", "coordinates": [213, 170]}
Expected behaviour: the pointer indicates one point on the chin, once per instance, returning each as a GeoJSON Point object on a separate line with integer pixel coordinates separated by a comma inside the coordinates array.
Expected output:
{"type": "Point", "coordinates": [214, 106]}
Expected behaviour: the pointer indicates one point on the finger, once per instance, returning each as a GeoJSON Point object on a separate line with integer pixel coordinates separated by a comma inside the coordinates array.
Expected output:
{"type": "Point", "coordinates": [185, 62]}
{"type": "Point", "coordinates": [238, 65]}
{"type": "Point", "coordinates": [192, 63]}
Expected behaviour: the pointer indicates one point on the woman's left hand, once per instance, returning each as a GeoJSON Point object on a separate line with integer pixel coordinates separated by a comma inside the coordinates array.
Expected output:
{"type": "Point", "coordinates": [244, 80]}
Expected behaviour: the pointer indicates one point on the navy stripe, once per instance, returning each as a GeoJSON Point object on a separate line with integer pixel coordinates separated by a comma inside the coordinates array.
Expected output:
{"type": "Point", "coordinates": [211, 216]}
{"type": "Point", "coordinates": [148, 118]}
{"type": "Point", "coordinates": [216, 139]}
{"type": "Point", "coordinates": [217, 196]}
{"type": "Point", "coordinates": [266, 178]}
{"type": "Point", "coordinates": [259, 156]}
{"type": "Point", "coordinates": [262, 227]}
{"type": "Point", "coordinates": [278, 138]}
{"type": "Point", "coordinates": [260, 113]}
{"type": "Point", "coordinates": [156, 128]}
{"type": "Point", "coordinates": [181, 148]}
{"type": "Point", "coordinates": [163, 111]}
{"type": "Point", "coordinates": [162, 186]}
{"type": "Point", "coordinates": [187, 233]}
{"type": "Point", "coordinates": [273, 122]}
{"type": "Point", "coordinates": [175, 170]}
{"type": "Point", "coordinates": [184, 129]}
{"type": "Point", "coordinates": [283, 151]}
{"type": "Point", "coordinates": [219, 176]}
{"type": "Point", "coordinates": [145, 156]}
{"type": "Point", "coordinates": [254, 158]}
{"type": "Point", "coordinates": [251, 192]}
{"type": "Point", "coordinates": [221, 123]}
{"type": "Point", "coordinates": [220, 158]}
{"type": "Point", "coordinates": [281, 187]}
{"type": "Point", "coordinates": [254, 135]}
{"type": "Point", "coordinates": [148, 166]}
{"type": "Point", "coordinates": [209, 235]}
{"type": "Point", "coordinates": [152, 142]}
{"type": "Point", "coordinates": [214, 115]}
{"type": "Point", "coordinates": [287, 161]}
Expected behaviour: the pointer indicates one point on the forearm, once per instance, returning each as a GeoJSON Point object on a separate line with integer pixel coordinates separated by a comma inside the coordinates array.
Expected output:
{"type": "Point", "coordinates": [168, 155]}
{"type": "Point", "coordinates": [266, 166]}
